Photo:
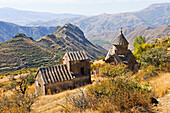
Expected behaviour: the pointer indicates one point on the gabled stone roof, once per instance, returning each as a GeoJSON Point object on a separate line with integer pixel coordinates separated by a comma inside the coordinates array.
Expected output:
{"type": "Point", "coordinates": [120, 40]}
{"type": "Point", "coordinates": [76, 55]}
{"type": "Point", "coordinates": [112, 53]}
{"type": "Point", "coordinates": [55, 74]}
{"type": "Point", "coordinates": [128, 56]}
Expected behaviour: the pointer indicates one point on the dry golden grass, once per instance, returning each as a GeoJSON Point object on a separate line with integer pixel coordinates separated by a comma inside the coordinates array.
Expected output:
{"type": "Point", "coordinates": [87, 111]}
{"type": "Point", "coordinates": [53, 103]}
{"type": "Point", "coordinates": [98, 78]}
{"type": "Point", "coordinates": [161, 84]}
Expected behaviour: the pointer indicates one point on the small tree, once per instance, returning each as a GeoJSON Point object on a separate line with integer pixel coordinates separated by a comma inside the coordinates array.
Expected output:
{"type": "Point", "coordinates": [20, 98]}
{"type": "Point", "coordinates": [140, 48]}
{"type": "Point", "coordinates": [155, 56]}
{"type": "Point", "coordinates": [139, 40]}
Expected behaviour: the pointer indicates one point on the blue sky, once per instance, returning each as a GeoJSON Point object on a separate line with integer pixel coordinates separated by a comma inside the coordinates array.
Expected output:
{"type": "Point", "coordinates": [86, 7]}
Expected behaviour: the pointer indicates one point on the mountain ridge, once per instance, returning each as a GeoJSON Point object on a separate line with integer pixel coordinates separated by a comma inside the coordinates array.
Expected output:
{"type": "Point", "coordinates": [70, 38]}
{"type": "Point", "coordinates": [22, 52]}
{"type": "Point", "coordinates": [151, 33]}
{"type": "Point", "coordinates": [14, 16]}
{"type": "Point", "coordinates": [155, 15]}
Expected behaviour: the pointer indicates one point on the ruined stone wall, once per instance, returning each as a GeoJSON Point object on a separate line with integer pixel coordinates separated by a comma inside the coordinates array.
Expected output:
{"type": "Point", "coordinates": [131, 63]}
{"type": "Point", "coordinates": [66, 61]}
{"type": "Point", "coordinates": [121, 49]}
{"type": "Point", "coordinates": [65, 85]}
{"type": "Point", "coordinates": [58, 87]}
{"type": "Point", "coordinates": [75, 67]}
{"type": "Point", "coordinates": [81, 81]}
{"type": "Point", "coordinates": [39, 85]}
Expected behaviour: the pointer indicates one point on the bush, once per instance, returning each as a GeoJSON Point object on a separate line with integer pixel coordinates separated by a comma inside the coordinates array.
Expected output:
{"type": "Point", "coordinates": [117, 93]}
{"type": "Point", "coordinates": [122, 93]}
{"type": "Point", "coordinates": [2, 84]}
{"type": "Point", "coordinates": [112, 70]}
{"type": "Point", "coordinates": [103, 58]}
{"type": "Point", "coordinates": [155, 57]}
{"type": "Point", "coordinates": [20, 98]}
{"type": "Point", "coordinates": [31, 79]}
{"type": "Point", "coordinates": [79, 102]}
{"type": "Point", "coordinates": [149, 71]}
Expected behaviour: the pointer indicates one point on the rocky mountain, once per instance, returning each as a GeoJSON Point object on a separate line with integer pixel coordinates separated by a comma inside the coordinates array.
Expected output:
{"type": "Point", "coordinates": [70, 38]}
{"type": "Point", "coordinates": [23, 52]}
{"type": "Point", "coordinates": [155, 15]}
{"type": "Point", "coordinates": [8, 30]}
{"type": "Point", "coordinates": [24, 17]}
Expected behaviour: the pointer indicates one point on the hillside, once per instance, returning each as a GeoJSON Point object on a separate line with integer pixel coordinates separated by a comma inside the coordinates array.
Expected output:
{"type": "Point", "coordinates": [105, 26]}
{"type": "Point", "coordinates": [70, 38]}
{"type": "Point", "coordinates": [155, 15]}
{"type": "Point", "coordinates": [8, 30]}
{"type": "Point", "coordinates": [148, 84]}
{"type": "Point", "coordinates": [22, 52]}
{"type": "Point", "coordinates": [150, 33]}
{"type": "Point", "coordinates": [14, 16]}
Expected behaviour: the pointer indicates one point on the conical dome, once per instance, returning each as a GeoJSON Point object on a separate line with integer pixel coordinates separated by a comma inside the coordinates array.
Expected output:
{"type": "Point", "coordinates": [120, 40]}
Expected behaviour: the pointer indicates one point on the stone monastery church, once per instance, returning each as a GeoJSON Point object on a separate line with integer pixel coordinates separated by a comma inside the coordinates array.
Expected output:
{"type": "Point", "coordinates": [73, 72]}
{"type": "Point", "coordinates": [75, 68]}
{"type": "Point", "coordinates": [120, 53]}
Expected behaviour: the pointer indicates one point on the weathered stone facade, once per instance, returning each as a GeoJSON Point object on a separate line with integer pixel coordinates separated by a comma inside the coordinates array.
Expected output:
{"type": "Point", "coordinates": [74, 72]}
{"type": "Point", "coordinates": [120, 53]}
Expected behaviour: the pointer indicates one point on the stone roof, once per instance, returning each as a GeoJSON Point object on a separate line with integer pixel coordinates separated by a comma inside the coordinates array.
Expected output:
{"type": "Point", "coordinates": [128, 56]}
{"type": "Point", "coordinates": [112, 53]}
{"type": "Point", "coordinates": [119, 60]}
{"type": "Point", "coordinates": [54, 74]}
{"type": "Point", "coordinates": [76, 55]}
{"type": "Point", "coordinates": [120, 40]}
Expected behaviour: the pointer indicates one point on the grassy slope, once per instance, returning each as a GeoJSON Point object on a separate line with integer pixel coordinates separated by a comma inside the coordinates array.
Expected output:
{"type": "Point", "coordinates": [49, 103]}
{"type": "Point", "coordinates": [71, 38]}
{"type": "Point", "coordinates": [20, 52]}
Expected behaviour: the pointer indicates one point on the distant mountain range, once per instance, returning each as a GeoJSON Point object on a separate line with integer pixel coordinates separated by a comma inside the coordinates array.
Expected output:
{"type": "Point", "coordinates": [8, 30]}
{"type": "Point", "coordinates": [24, 17]}
{"type": "Point", "coordinates": [23, 52]}
{"type": "Point", "coordinates": [104, 39]}
{"type": "Point", "coordinates": [150, 33]}
{"type": "Point", "coordinates": [155, 15]}
{"type": "Point", "coordinates": [100, 28]}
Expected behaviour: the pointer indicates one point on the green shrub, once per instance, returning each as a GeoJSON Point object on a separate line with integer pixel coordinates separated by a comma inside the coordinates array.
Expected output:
{"type": "Point", "coordinates": [112, 70]}
{"type": "Point", "coordinates": [31, 79]}
{"type": "Point", "coordinates": [2, 84]}
{"type": "Point", "coordinates": [155, 56]}
{"type": "Point", "coordinates": [122, 93]}
{"type": "Point", "coordinates": [102, 58]}
{"type": "Point", "coordinates": [150, 71]}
